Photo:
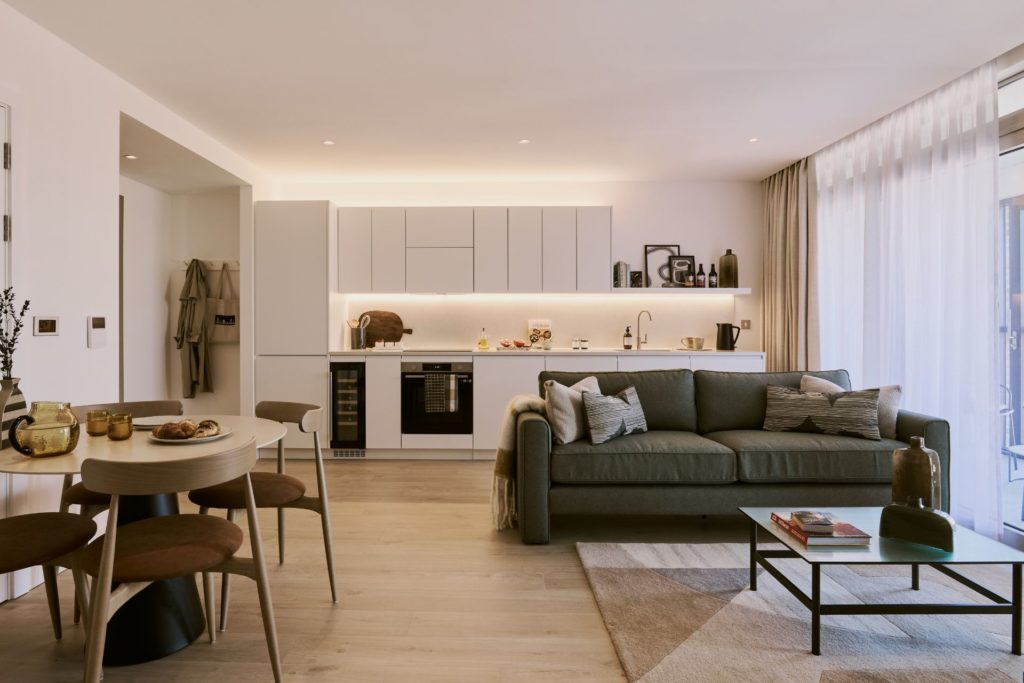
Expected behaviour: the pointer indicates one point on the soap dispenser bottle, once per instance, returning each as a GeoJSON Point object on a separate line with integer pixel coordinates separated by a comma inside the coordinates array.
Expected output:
{"type": "Point", "coordinates": [627, 340]}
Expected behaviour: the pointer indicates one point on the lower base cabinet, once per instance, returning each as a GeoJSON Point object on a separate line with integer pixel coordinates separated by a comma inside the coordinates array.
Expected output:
{"type": "Point", "coordinates": [495, 381]}
{"type": "Point", "coordinates": [302, 379]}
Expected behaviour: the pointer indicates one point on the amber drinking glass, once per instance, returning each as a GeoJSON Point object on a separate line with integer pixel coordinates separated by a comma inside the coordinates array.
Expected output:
{"type": "Point", "coordinates": [120, 426]}
{"type": "Point", "coordinates": [96, 422]}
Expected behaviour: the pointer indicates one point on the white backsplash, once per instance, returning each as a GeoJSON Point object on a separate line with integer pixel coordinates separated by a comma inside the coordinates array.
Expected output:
{"type": "Point", "coordinates": [454, 320]}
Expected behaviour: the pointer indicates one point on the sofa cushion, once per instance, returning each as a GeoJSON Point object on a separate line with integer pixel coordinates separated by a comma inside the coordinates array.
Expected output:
{"type": "Point", "coordinates": [737, 400]}
{"type": "Point", "coordinates": [800, 457]}
{"type": "Point", "coordinates": [667, 396]}
{"type": "Point", "coordinates": [609, 417]}
{"type": "Point", "coordinates": [662, 457]}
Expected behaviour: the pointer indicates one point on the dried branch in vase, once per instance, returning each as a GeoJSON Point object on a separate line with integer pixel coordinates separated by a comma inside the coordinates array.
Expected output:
{"type": "Point", "coordinates": [11, 322]}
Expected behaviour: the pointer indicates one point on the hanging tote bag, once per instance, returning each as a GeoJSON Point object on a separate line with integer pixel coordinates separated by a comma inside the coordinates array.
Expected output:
{"type": "Point", "coordinates": [222, 312]}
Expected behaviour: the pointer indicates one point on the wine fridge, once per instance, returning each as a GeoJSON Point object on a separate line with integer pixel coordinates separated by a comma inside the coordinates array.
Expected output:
{"type": "Point", "coordinates": [348, 405]}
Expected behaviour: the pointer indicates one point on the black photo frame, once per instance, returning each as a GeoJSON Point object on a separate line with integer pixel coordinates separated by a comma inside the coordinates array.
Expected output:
{"type": "Point", "coordinates": [656, 268]}
{"type": "Point", "coordinates": [679, 267]}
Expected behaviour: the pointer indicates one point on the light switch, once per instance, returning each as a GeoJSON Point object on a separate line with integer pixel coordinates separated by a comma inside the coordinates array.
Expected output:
{"type": "Point", "coordinates": [744, 324]}
{"type": "Point", "coordinates": [96, 331]}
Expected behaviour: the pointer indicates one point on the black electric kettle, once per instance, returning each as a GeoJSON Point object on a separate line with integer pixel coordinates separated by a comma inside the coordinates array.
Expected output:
{"type": "Point", "coordinates": [727, 336]}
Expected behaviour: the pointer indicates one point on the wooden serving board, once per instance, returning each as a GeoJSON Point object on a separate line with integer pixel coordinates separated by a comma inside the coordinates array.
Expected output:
{"type": "Point", "coordinates": [384, 325]}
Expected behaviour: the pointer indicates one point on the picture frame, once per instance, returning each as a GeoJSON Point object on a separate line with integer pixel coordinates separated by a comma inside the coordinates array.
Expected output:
{"type": "Point", "coordinates": [680, 267]}
{"type": "Point", "coordinates": [636, 278]}
{"type": "Point", "coordinates": [45, 326]}
{"type": "Point", "coordinates": [656, 268]}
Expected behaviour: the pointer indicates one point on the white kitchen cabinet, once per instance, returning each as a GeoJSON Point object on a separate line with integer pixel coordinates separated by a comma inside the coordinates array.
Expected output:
{"type": "Point", "coordinates": [593, 249]}
{"type": "Point", "coordinates": [301, 379]}
{"type": "Point", "coordinates": [439, 270]}
{"type": "Point", "coordinates": [496, 379]}
{"type": "Point", "coordinates": [355, 249]}
{"type": "Point", "coordinates": [559, 249]}
{"type": "Point", "coordinates": [439, 226]}
{"type": "Point", "coordinates": [384, 401]}
{"type": "Point", "coordinates": [525, 249]}
{"type": "Point", "coordinates": [291, 276]}
{"type": "Point", "coordinates": [490, 249]}
{"type": "Point", "coordinates": [582, 363]}
{"type": "Point", "coordinates": [388, 250]}
{"type": "Point", "coordinates": [644, 361]}
{"type": "Point", "coordinates": [738, 363]}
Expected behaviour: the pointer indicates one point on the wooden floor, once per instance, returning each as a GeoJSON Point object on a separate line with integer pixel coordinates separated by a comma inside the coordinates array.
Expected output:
{"type": "Point", "coordinates": [428, 592]}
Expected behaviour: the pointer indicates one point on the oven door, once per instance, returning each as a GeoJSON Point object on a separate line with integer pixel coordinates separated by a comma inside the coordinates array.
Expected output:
{"type": "Point", "coordinates": [426, 411]}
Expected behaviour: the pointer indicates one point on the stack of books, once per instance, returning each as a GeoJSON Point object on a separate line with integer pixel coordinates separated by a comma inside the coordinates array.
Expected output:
{"type": "Point", "coordinates": [820, 528]}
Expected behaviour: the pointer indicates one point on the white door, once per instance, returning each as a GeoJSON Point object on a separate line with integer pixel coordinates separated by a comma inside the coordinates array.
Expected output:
{"type": "Point", "coordinates": [594, 249]}
{"type": "Point", "coordinates": [439, 270]}
{"type": "Point", "coordinates": [490, 249]}
{"type": "Point", "coordinates": [559, 249]}
{"type": "Point", "coordinates": [291, 275]}
{"type": "Point", "coordinates": [5, 189]}
{"type": "Point", "coordinates": [383, 401]}
{"type": "Point", "coordinates": [496, 379]}
{"type": "Point", "coordinates": [301, 379]}
{"type": "Point", "coordinates": [388, 239]}
{"type": "Point", "coordinates": [354, 250]}
{"type": "Point", "coordinates": [525, 247]}
{"type": "Point", "coordinates": [439, 226]}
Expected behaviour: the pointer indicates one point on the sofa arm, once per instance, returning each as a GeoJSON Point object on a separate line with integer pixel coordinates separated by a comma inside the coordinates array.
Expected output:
{"type": "Point", "coordinates": [936, 436]}
{"type": "Point", "coordinates": [533, 477]}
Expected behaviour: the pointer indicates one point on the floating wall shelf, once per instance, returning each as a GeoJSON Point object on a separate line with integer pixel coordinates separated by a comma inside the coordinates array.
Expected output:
{"type": "Point", "coordinates": [682, 291]}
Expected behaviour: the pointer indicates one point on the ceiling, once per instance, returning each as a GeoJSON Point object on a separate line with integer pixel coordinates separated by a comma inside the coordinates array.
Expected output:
{"type": "Point", "coordinates": [164, 164]}
{"type": "Point", "coordinates": [605, 89]}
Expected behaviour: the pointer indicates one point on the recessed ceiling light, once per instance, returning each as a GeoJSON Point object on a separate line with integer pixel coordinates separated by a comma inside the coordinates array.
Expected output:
{"type": "Point", "coordinates": [752, 140]}
{"type": "Point", "coordinates": [524, 141]}
{"type": "Point", "coordinates": [328, 143]}
{"type": "Point", "coordinates": [130, 157]}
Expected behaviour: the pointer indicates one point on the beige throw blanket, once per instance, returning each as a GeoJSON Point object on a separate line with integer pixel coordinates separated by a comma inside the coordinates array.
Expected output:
{"type": "Point", "coordinates": [503, 493]}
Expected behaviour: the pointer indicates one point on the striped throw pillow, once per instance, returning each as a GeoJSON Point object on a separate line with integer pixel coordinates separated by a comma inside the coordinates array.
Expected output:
{"type": "Point", "coordinates": [612, 416]}
{"type": "Point", "coordinates": [849, 413]}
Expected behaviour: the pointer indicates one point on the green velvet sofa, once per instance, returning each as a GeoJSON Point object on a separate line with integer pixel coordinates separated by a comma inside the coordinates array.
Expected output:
{"type": "Point", "coordinates": [704, 453]}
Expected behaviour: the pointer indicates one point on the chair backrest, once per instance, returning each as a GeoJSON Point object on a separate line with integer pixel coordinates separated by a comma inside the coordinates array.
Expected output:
{"type": "Point", "coordinates": [306, 415]}
{"type": "Point", "coordinates": [171, 476]}
{"type": "Point", "coordinates": [136, 408]}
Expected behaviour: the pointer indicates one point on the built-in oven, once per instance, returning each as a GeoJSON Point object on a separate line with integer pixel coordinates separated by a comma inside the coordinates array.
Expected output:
{"type": "Point", "coordinates": [437, 398]}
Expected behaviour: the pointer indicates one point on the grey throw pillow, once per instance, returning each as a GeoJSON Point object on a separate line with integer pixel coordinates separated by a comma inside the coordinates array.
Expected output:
{"type": "Point", "coordinates": [612, 416]}
{"type": "Point", "coordinates": [850, 413]}
{"type": "Point", "coordinates": [888, 401]}
{"type": "Point", "coordinates": [565, 409]}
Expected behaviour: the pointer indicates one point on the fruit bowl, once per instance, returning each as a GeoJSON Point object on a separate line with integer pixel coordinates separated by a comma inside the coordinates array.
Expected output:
{"type": "Point", "coordinates": [505, 343]}
{"type": "Point", "coordinates": [520, 343]}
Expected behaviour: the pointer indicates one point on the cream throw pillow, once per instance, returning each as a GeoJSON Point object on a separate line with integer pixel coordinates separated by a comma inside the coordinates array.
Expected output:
{"type": "Point", "coordinates": [888, 401]}
{"type": "Point", "coordinates": [565, 409]}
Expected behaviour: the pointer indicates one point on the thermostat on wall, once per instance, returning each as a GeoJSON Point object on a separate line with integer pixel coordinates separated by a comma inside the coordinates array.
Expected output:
{"type": "Point", "coordinates": [96, 336]}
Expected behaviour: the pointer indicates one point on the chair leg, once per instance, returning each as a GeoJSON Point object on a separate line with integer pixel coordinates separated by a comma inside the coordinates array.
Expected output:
{"type": "Point", "coordinates": [81, 589]}
{"type": "Point", "coordinates": [225, 588]}
{"type": "Point", "coordinates": [53, 598]}
{"type": "Point", "coordinates": [262, 584]}
{"type": "Point", "coordinates": [210, 606]}
{"type": "Point", "coordinates": [100, 607]}
{"type": "Point", "coordinates": [325, 514]}
{"type": "Point", "coordinates": [280, 511]}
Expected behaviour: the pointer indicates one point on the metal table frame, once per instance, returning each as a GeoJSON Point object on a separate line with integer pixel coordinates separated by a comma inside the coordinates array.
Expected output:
{"type": "Point", "coordinates": [818, 610]}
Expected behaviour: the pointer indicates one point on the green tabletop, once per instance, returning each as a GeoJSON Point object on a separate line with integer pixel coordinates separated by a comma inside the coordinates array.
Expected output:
{"type": "Point", "coordinates": [969, 547]}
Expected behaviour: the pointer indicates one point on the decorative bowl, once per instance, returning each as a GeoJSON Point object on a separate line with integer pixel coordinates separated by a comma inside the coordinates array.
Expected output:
{"type": "Point", "coordinates": [520, 343]}
{"type": "Point", "coordinates": [505, 343]}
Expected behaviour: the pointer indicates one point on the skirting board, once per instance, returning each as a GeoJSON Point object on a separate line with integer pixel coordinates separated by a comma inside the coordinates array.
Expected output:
{"type": "Point", "coordinates": [382, 454]}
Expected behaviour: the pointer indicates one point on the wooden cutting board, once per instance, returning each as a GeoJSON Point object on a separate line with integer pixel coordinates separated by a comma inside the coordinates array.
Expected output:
{"type": "Point", "coordinates": [384, 325]}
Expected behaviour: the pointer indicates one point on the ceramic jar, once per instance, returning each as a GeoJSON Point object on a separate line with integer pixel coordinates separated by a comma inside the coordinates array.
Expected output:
{"type": "Point", "coordinates": [916, 473]}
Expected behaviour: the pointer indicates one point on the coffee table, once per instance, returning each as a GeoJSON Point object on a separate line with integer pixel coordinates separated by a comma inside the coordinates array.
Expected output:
{"type": "Point", "coordinates": [969, 548]}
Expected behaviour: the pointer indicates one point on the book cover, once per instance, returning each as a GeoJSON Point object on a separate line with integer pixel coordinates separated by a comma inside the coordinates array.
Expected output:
{"type": "Point", "coordinates": [811, 520]}
{"type": "Point", "coordinates": [843, 533]}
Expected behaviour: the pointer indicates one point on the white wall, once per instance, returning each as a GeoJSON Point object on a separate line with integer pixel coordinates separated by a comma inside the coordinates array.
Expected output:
{"type": "Point", "coordinates": [703, 218]}
{"type": "Point", "coordinates": [205, 226]}
{"type": "Point", "coordinates": [147, 270]}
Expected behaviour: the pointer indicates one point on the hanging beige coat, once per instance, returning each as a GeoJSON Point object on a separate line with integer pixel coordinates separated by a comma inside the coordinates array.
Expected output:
{"type": "Point", "coordinates": [191, 336]}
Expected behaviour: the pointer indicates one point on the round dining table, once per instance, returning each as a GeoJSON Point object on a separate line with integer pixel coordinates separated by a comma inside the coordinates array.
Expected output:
{"type": "Point", "coordinates": [167, 616]}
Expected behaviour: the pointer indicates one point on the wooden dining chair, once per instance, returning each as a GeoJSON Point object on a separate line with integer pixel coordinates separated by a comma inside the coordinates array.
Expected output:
{"type": "Point", "coordinates": [91, 503]}
{"type": "Point", "coordinates": [277, 489]}
{"type": "Point", "coordinates": [136, 554]}
{"type": "Point", "coordinates": [49, 539]}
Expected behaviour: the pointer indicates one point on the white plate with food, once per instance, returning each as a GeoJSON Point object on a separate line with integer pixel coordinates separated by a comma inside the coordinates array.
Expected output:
{"type": "Point", "coordinates": [145, 424]}
{"type": "Point", "coordinates": [188, 431]}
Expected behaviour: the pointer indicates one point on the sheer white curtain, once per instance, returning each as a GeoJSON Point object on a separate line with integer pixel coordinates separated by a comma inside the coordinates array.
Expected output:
{"type": "Point", "coordinates": [907, 272]}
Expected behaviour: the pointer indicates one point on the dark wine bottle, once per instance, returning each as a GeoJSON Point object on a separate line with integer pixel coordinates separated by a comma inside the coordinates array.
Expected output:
{"type": "Point", "coordinates": [701, 278]}
{"type": "Point", "coordinates": [712, 277]}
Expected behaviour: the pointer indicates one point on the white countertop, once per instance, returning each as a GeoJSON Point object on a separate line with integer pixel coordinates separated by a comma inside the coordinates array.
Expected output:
{"type": "Point", "coordinates": [552, 352]}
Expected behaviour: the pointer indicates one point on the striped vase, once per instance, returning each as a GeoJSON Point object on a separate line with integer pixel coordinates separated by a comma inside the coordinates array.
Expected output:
{"type": "Point", "coordinates": [13, 402]}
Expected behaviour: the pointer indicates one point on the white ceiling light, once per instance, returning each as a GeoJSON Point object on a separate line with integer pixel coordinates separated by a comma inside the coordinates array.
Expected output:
{"type": "Point", "coordinates": [524, 141]}
{"type": "Point", "coordinates": [130, 157]}
{"type": "Point", "coordinates": [328, 143]}
{"type": "Point", "coordinates": [752, 140]}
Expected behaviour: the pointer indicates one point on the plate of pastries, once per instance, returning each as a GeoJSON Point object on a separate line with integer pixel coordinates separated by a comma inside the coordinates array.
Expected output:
{"type": "Point", "coordinates": [188, 431]}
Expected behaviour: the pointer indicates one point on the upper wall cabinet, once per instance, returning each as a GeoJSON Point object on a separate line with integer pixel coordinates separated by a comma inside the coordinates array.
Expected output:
{"type": "Point", "coordinates": [439, 227]}
{"type": "Point", "coordinates": [388, 250]}
{"type": "Point", "coordinates": [439, 270]}
{"type": "Point", "coordinates": [291, 276]}
{"type": "Point", "coordinates": [525, 249]}
{"type": "Point", "coordinates": [490, 249]}
{"type": "Point", "coordinates": [594, 248]}
{"type": "Point", "coordinates": [559, 249]}
{"type": "Point", "coordinates": [355, 245]}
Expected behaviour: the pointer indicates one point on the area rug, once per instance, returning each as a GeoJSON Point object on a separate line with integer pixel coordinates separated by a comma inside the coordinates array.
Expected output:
{"type": "Point", "coordinates": [679, 613]}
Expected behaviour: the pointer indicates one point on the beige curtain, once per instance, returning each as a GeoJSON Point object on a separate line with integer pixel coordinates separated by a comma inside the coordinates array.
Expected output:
{"type": "Point", "coordinates": [790, 326]}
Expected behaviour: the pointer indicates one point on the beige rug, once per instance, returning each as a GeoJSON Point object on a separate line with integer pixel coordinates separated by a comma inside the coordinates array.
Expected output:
{"type": "Point", "coordinates": [680, 613]}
